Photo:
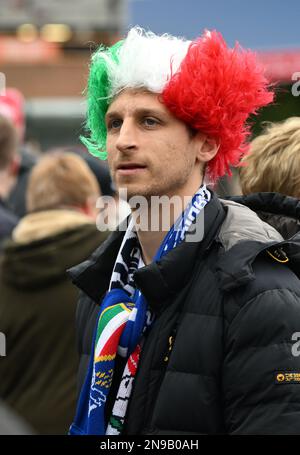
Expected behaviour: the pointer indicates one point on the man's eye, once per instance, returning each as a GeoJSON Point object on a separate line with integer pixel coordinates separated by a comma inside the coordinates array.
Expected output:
{"type": "Point", "coordinates": [114, 124]}
{"type": "Point", "coordinates": [149, 121]}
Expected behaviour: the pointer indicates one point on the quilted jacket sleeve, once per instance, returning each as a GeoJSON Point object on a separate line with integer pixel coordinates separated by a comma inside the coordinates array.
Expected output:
{"type": "Point", "coordinates": [261, 376]}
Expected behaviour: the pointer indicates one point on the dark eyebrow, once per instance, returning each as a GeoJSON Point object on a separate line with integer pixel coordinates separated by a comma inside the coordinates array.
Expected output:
{"type": "Point", "coordinates": [111, 114]}
{"type": "Point", "coordinates": [146, 111]}
{"type": "Point", "coordinates": [141, 112]}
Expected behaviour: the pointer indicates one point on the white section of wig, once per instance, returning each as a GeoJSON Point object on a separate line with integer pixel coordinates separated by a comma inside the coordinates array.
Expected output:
{"type": "Point", "coordinates": [146, 61]}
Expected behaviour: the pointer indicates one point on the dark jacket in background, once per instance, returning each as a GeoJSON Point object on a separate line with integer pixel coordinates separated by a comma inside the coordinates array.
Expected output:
{"type": "Point", "coordinates": [7, 222]}
{"type": "Point", "coordinates": [37, 316]}
{"type": "Point", "coordinates": [231, 310]}
{"type": "Point", "coordinates": [16, 199]}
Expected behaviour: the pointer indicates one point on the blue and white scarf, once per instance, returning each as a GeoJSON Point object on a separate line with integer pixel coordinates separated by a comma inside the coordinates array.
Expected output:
{"type": "Point", "coordinates": [123, 318]}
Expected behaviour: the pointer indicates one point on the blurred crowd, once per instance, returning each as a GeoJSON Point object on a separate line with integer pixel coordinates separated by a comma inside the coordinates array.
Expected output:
{"type": "Point", "coordinates": [48, 219]}
{"type": "Point", "coordinates": [48, 213]}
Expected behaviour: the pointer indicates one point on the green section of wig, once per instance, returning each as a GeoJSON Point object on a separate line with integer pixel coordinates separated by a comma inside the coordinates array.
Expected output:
{"type": "Point", "coordinates": [99, 99]}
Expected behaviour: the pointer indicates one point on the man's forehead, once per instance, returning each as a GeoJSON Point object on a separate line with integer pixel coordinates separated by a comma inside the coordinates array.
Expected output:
{"type": "Point", "coordinates": [130, 100]}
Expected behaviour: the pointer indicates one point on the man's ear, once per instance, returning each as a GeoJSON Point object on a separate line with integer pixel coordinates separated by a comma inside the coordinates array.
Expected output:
{"type": "Point", "coordinates": [206, 147]}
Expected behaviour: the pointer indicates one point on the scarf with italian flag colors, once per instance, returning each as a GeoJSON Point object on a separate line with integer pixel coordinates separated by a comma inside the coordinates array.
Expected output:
{"type": "Point", "coordinates": [123, 319]}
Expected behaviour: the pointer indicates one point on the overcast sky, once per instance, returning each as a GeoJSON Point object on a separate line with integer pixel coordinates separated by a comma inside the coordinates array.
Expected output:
{"type": "Point", "coordinates": [254, 23]}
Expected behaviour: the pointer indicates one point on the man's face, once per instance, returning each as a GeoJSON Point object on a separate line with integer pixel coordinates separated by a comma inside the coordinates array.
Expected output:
{"type": "Point", "coordinates": [150, 152]}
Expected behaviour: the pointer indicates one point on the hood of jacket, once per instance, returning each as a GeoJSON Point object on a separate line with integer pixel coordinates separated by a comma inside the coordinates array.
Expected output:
{"type": "Point", "coordinates": [44, 245]}
{"type": "Point", "coordinates": [280, 211]}
{"type": "Point", "coordinates": [38, 225]}
{"type": "Point", "coordinates": [243, 236]}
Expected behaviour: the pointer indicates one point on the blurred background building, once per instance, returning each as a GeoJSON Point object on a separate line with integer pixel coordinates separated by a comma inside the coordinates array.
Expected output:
{"type": "Point", "coordinates": [45, 47]}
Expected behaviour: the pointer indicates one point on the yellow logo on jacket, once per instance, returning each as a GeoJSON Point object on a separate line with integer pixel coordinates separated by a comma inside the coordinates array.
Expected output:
{"type": "Point", "coordinates": [288, 377]}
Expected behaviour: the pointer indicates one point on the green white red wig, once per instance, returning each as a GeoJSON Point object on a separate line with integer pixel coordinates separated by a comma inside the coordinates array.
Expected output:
{"type": "Point", "coordinates": [206, 84]}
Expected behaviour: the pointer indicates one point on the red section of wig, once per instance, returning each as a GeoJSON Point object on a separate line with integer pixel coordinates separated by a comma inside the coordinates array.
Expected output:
{"type": "Point", "coordinates": [215, 90]}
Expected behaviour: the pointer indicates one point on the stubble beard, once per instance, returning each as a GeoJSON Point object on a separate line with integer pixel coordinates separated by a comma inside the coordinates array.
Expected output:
{"type": "Point", "coordinates": [162, 186]}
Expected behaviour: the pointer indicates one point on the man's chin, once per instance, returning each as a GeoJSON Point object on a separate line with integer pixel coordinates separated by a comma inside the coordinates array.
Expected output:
{"type": "Point", "coordinates": [132, 191]}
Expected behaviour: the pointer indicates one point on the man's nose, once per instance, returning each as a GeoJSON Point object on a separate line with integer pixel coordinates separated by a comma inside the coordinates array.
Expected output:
{"type": "Point", "coordinates": [127, 139]}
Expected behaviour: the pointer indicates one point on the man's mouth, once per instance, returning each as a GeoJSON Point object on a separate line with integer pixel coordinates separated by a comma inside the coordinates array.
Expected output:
{"type": "Point", "coordinates": [130, 168]}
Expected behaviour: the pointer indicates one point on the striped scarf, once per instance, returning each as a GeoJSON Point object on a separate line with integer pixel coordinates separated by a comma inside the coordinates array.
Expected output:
{"type": "Point", "coordinates": [123, 319]}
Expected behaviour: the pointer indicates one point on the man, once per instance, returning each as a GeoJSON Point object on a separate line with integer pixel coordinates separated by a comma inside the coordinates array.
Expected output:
{"type": "Point", "coordinates": [38, 303]}
{"type": "Point", "coordinates": [181, 334]}
{"type": "Point", "coordinates": [8, 154]}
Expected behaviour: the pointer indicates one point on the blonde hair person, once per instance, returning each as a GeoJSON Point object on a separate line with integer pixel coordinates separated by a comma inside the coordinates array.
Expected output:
{"type": "Point", "coordinates": [273, 162]}
{"type": "Point", "coordinates": [270, 177]}
{"type": "Point", "coordinates": [62, 180]}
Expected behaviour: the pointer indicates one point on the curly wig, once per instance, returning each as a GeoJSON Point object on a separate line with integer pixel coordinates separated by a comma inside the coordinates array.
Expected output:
{"type": "Point", "coordinates": [206, 84]}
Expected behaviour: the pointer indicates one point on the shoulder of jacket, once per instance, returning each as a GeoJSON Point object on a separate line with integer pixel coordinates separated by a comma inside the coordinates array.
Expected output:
{"type": "Point", "coordinates": [244, 238]}
{"type": "Point", "coordinates": [242, 223]}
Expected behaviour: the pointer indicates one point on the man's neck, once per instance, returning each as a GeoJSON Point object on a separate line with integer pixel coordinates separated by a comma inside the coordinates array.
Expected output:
{"type": "Point", "coordinates": [150, 242]}
{"type": "Point", "coordinates": [159, 221]}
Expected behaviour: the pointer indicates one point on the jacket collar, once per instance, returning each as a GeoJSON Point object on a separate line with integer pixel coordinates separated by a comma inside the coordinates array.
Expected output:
{"type": "Point", "coordinates": [93, 275]}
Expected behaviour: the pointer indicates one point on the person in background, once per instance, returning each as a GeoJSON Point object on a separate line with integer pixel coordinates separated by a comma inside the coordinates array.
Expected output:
{"type": "Point", "coordinates": [8, 164]}
{"type": "Point", "coordinates": [270, 176]}
{"type": "Point", "coordinates": [116, 208]}
{"type": "Point", "coordinates": [38, 303]}
{"type": "Point", "coordinates": [12, 107]}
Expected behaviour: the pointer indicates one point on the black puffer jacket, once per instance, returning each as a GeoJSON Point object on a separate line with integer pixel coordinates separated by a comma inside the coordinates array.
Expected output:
{"type": "Point", "coordinates": [232, 310]}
